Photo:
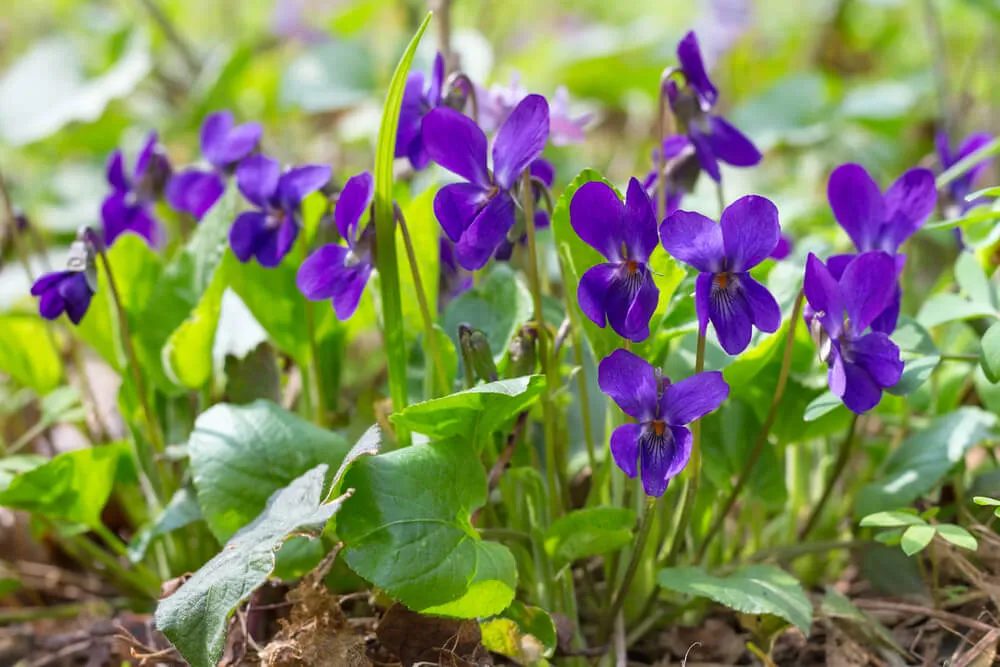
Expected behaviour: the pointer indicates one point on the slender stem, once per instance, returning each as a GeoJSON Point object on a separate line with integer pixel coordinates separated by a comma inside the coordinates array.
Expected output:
{"type": "Point", "coordinates": [960, 357]}
{"type": "Point", "coordinates": [313, 384]}
{"type": "Point", "coordinates": [528, 204]}
{"type": "Point", "coordinates": [425, 311]}
{"type": "Point", "coordinates": [442, 10]}
{"type": "Point", "coordinates": [838, 470]}
{"type": "Point", "coordinates": [459, 77]}
{"type": "Point", "coordinates": [691, 491]}
{"type": "Point", "coordinates": [721, 196]}
{"type": "Point", "coordinates": [758, 446]}
{"type": "Point", "coordinates": [958, 169]}
{"type": "Point", "coordinates": [581, 378]}
{"type": "Point", "coordinates": [633, 566]}
{"type": "Point", "coordinates": [173, 35]}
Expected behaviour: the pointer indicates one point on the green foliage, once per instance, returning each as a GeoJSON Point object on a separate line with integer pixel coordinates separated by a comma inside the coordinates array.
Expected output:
{"type": "Point", "coordinates": [989, 353]}
{"type": "Point", "coordinates": [195, 617]}
{"type": "Point", "coordinates": [913, 533]}
{"type": "Point", "coordinates": [751, 589]}
{"type": "Point", "coordinates": [407, 530]}
{"type": "Point", "coordinates": [27, 353]}
{"type": "Point", "coordinates": [589, 532]}
{"type": "Point", "coordinates": [521, 632]}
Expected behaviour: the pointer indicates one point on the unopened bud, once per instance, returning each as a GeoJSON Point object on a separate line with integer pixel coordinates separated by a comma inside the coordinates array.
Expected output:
{"type": "Point", "coordinates": [522, 356]}
{"type": "Point", "coordinates": [476, 351]}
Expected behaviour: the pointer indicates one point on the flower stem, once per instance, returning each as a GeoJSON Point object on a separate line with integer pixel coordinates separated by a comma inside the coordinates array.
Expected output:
{"type": "Point", "coordinates": [425, 311]}
{"type": "Point", "coordinates": [691, 490]}
{"type": "Point", "coordinates": [642, 536]}
{"type": "Point", "coordinates": [758, 446]}
{"type": "Point", "coordinates": [528, 204]}
{"type": "Point", "coordinates": [581, 378]}
{"type": "Point", "coordinates": [838, 470]}
{"type": "Point", "coordinates": [313, 383]}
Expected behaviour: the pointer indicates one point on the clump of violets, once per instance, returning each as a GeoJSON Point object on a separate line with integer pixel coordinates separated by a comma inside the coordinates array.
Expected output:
{"type": "Point", "coordinates": [725, 293]}
{"type": "Point", "coordinates": [621, 291]}
{"type": "Point", "coordinates": [658, 445]}
{"type": "Point", "coordinates": [961, 187]}
{"type": "Point", "coordinates": [338, 273]}
{"type": "Point", "coordinates": [478, 214]}
{"type": "Point", "coordinates": [269, 232]}
{"type": "Point", "coordinates": [223, 144]}
{"type": "Point", "coordinates": [880, 222]}
{"type": "Point", "coordinates": [129, 207]}
{"type": "Point", "coordinates": [542, 170]}
{"type": "Point", "coordinates": [861, 365]}
{"type": "Point", "coordinates": [69, 291]}
{"type": "Point", "coordinates": [680, 167]}
{"type": "Point", "coordinates": [715, 139]}
{"type": "Point", "coordinates": [421, 94]}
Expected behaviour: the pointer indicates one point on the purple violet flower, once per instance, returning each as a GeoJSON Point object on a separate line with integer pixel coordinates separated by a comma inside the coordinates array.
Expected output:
{"type": "Point", "coordinates": [659, 445]}
{"type": "Point", "coordinates": [621, 291]}
{"type": "Point", "coordinates": [725, 292]}
{"type": "Point", "coordinates": [338, 273]}
{"type": "Point", "coordinates": [714, 138]}
{"type": "Point", "coordinates": [961, 187]}
{"type": "Point", "coordinates": [453, 280]}
{"type": "Point", "coordinates": [129, 207]}
{"type": "Point", "coordinates": [223, 144]}
{"type": "Point", "coordinates": [877, 222]}
{"type": "Point", "coordinates": [497, 103]}
{"type": "Point", "coordinates": [478, 214]}
{"type": "Point", "coordinates": [419, 97]}
{"type": "Point", "coordinates": [269, 232]}
{"type": "Point", "coordinates": [682, 171]}
{"type": "Point", "coordinates": [68, 291]}
{"type": "Point", "coordinates": [543, 170]}
{"type": "Point", "coordinates": [860, 365]}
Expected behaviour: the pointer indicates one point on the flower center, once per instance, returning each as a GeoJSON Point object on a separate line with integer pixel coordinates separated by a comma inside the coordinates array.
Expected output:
{"type": "Point", "coordinates": [659, 427]}
{"type": "Point", "coordinates": [274, 218]}
{"type": "Point", "coordinates": [633, 266]}
{"type": "Point", "coordinates": [722, 280]}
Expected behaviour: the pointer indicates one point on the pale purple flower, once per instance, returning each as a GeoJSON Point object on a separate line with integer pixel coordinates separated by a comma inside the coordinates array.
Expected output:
{"type": "Point", "coordinates": [495, 104]}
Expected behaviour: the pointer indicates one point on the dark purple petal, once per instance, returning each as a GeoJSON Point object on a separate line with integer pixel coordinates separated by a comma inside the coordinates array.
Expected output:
{"type": "Point", "coordinates": [692, 238]}
{"type": "Point", "coordinates": [456, 143]}
{"type": "Point", "coordinates": [436, 82]}
{"type": "Point", "coordinates": [115, 171]}
{"type": "Point", "coordinates": [730, 145]}
{"type": "Point", "coordinates": [247, 234]}
{"type": "Point", "coordinates": [908, 203]}
{"type": "Point", "coordinates": [879, 356]}
{"type": "Point", "coordinates": [867, 287]}
{"type": "Point", "coordinates": [662, 457]}
{"type": "Point", "coordinates": [76, 294]}
{"type": "Point", "coordinates": [457, 205]}
{"type": "Point", "coordinates": [705, 154]}
{"type": "Point", "coordinates": [639, 223]}
{"type": "Point", "coordinates": [48, 281]}
{"type": "Point", "coordinates": [487, 231]}
{"type": "Point", "coordinates": [324, 276]}
{"type": "Point", "coordinates": [411, 113]}
{"type": "Point", "coordinates": [277, 243]}
{"type": "Point", "coordinates": [765, 309]}
{"type": "Point", "coordinates": [730, 314]}
{"type": "Point", "coordinates": [596, 213]}
{"type": "Point", "coordinates": [591, 294]}
{"type": "Point", "coordinates": [51, 305]}
{"type": "Point", "coordinates": [750, 232]}
{"type": "Point", "coordinates": [681, 452]}
{"type": "Point", "coordinates": [194, 191]}
{"type": "Point", "coordinates": [837, 263]}
{"type": "Point", "coordinates": [145, 155]}
{"type": "Point", "coordinates": [520, 140]}
{"type": "Point", "coordinates": [783, 249]}
{"type": "Point", "coordinates": [702, 295]}
{"type": "Point", "coordinates": [630, 382]}
{"type": "Point", "coordinates": [299, 182]}
{"type": "Point", "coordinates": [257, 178]}
{"type": "Point", "coordinates": [222, 144]}
{"type": "Point", "coordinates": [887, 320]}
{"type": "Point", "coordinates": [943, 147]}
{"type": "Point", "coordinates": [119, 217]}
{"type": "Point", "coordinates": [417, 153]}
{"type": "Point", "coordinates": [857, 204]}
{"type": "Point", "coordinates": [689, 56]}
{"type": "Point", "coordinates": [543, 170]}
{"type": "Point", "coordinates": [625, 448]}
{"type": "Point", "coordinates": [823, 294]}
{"type": "Point", "coordinates": [861, 393]}
{"type": "Point", "coordinates": [693, 398]}
{"type": "Point", "coordinates": [630, 303]}
{"type": "Point", "coordinates": [352, 206]}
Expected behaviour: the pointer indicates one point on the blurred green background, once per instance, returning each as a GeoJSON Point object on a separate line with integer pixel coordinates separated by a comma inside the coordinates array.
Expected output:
{"type": "Point", "coordinates": [813, 83]}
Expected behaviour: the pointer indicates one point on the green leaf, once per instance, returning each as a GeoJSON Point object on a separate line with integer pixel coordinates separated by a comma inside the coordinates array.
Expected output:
{"type": "Point", "coordinates": [491, 590]}
{"type": "Point", "coordinates": [73, 486]}
{"type": "Point", "coordinates": [180, 288]}
{"type": "Point", "coordinates": [497, 306]}
{"type": "Point", "coordinates": [754, 360]}
{"type": "Point", "coordinates": [916, 538]}
{"type": "Point", "coordinates": [472, 415]}
{"type": "Point", "coordinates": [892, 519]}
{"type": "Point", "coordinates": [240, 455]}
{"type": "Point", "coordinates": [512, 633]}
{"type": "Point", "coordinates": [407, 529]}
{"type": "Point", "coordinates": [425, 233]}
{"type": "Point", "coordinates": [975, 217]}
{"type": "Point", "coordinates": [958, 536]}
{"type": "Point", "coordinates": [972, 279]}
{"type": "Point", "coordinates": [196, 616]}
{"type": "Point", "coordinates": [821, 405]}
{"type": "Point", "coordinates": [924, 458]}
{"type": "Point", "coordinates": [12, 466]}
{"type": "Point", "coordinates": [182, 510]}
{"type": "Point", "coordinates": [589, 532]}
{"type": "Point", "coordinates": [943, 308]}
{"type": "Point", "coordinates": [986, 502]}
{"type": "Point", "coordinates": [187, 357]}
{"type": "Point", "coordinates": [48, 87]}
{"type": "Point", "coordinates": [920, 356]}
{"type": "Point", "coordinates": [751, 589]}
{"type": "Point", "coordinates": [27, 353]}
{"type": "Point", "coordinates": [385, 230]}
{"type": "Point", "coordinates": [989, 353]}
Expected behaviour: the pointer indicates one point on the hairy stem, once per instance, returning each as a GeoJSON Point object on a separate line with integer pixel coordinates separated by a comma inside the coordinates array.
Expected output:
{"type": "Point", "coordinates": [838, 470]}
{"type": "Point", "coordinates": [758, 446]}
{"type": "Point", "coordinates": [633, 565]}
